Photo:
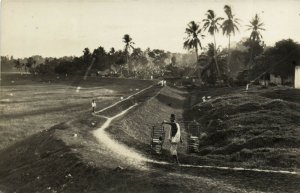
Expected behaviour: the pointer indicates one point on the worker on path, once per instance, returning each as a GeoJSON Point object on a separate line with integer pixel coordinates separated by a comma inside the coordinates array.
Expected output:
{"type": "Point", "coordinates": [174, 136]}
{"type": "Point", "coordinates": [93, 106]}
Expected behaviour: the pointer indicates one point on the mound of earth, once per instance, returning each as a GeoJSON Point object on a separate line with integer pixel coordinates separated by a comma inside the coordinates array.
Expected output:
{"type": "Point", "coordinates": [250, 129]}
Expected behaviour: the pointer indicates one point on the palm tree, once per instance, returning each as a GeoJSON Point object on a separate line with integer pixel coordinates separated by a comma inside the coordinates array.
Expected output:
{"type": "Point", "coordinates": [128, 45]}
{"type": "Point", "coordinates": [255, 26]}
{"type": "Point", "coordinates": [192, 40]}
{"type": "Point", "coordinates": [230, 24]}
{"type": "Point", "coordinates": [209, 71]}
{"type": "Point", "coordinates": [211, 23]}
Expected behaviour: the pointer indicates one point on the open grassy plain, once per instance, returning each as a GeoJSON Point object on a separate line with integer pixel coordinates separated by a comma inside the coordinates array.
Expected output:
{"type": "Point", "coordinates": [29, 104]}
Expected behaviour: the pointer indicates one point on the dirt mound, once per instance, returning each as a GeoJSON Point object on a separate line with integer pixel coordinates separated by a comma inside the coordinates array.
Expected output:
{"type": "Point", "coordinates": [238, 126]}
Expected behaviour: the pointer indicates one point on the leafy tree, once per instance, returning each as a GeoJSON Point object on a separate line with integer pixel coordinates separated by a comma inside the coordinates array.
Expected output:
{"type": "Point", "coordinates": [255, 48]}
{"type": "Point", "coordinates": [120, 57]}
{"type": "Point", "coordinates": [87, 56]}
{"type": "Point", "coordinates": [173, 60]}
{"type": "Point", "coordinates": [138, 61]}
{"type": "Point", "coordinates": [279, 60]}
{"type": "Point", "coordinates": [29, 65]}
{"type": "Point", "coordinates": [158, 57]}
{"type": "Point", "coordinates": [101, 58]}
{"type": "Point", "coordinates": [18, 65]}
{"type": "Point", "coordinates": [112, 51]}
{"type": "Point", "coordinates": [192, 41]}
{"type": "Point", "coordinates": [66, 67]}
{"type": "Point", "coordinates": [237, 62]}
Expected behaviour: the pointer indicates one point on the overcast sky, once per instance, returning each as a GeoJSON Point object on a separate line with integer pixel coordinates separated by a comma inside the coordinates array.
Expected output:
{"type": "Point", "coordinates": [66, 27]}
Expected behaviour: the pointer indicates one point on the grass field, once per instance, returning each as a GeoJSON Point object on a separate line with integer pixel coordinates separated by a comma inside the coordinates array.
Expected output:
{"type": "Point", "coordinates": [29, 105]}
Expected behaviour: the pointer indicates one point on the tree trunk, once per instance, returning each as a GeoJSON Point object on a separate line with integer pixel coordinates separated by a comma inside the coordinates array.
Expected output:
{"type": "Point", "coordinates": [215, 57]}
{"type": "Point", "coordinates": [127, 61]}
{"type": "Point", "coordinates": [197, 57]}
{"type": "Point", "coordinates": [229, 54]}
{"type": "Point", "coordinates": [229, 43]}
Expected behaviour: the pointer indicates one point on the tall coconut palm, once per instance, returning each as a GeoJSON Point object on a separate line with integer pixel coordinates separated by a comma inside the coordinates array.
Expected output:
{"type": "Point", "coordinates": [128, 46]}
{"type": "Point", "coordinates": [192, 40]}
{"type": "Point", "coordinates": [209, 71]}
{"type": "Point", "coordinates": [255, 26]}
{"type": "Point", "coordinates": [211, 23]}
{"type": "Point", "coordinates": [230, 24]}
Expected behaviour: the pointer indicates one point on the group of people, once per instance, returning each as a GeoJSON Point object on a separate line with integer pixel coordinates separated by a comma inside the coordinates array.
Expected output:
{"type": "Point", "coordinates": [162, 83]}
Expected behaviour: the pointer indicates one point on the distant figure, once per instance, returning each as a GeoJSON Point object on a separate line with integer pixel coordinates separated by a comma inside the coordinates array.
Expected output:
{"type": "Point", "coordinates": [161, 83]}
{"type": "Point", "coordinates": [93, 105]}
{"type": "Point", "coordinates": [174, 137]}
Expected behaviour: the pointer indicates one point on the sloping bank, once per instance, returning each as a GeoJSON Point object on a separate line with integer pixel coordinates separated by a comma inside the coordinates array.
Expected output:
{"type": "Point", "coordinates": [134, 129]}
{"type": "Point", "coordinates": [251, 130]}
{"type": "Point", "coordinates": [238, 129]}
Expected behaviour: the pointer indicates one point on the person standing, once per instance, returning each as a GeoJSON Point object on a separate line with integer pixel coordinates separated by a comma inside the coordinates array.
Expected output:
{"type": "Point", "coordinates": [174, 137]}
{"type": "Point", "coordinates": [93, 105]}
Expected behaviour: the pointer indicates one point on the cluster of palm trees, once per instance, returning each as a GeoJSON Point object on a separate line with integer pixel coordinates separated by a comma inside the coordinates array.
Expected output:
{"type": "Point", "coordinates": [212, 24]}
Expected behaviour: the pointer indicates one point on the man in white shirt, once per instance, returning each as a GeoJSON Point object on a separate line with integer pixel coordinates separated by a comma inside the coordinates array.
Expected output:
{"type": "Point", "coordinates": [174, 137]}
{"type": "Point", "coordinates": [93, 105]}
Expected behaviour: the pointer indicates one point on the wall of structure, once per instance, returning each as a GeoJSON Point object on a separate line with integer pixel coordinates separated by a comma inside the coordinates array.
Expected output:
{"type": "Point", "coordinates": [297, 77]}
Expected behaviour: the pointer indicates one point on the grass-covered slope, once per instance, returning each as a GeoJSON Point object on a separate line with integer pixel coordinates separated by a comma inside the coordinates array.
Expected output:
{"type": "Point", "coordinates": [250, 129]}
{"type": "Point", "coordinates": [135, 128]}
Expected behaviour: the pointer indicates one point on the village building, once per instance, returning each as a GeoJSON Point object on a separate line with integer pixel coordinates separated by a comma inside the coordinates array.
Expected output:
{"type": "Point", "coordinates": [297, 77]}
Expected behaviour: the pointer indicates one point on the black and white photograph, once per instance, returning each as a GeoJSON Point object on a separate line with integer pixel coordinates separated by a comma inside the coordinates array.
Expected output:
{"type": "Point", "coordinates": [150, 96]}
